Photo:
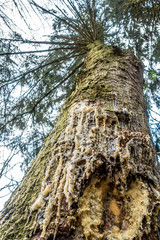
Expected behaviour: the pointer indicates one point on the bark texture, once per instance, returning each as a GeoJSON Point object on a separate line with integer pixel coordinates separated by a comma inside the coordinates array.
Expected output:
{"type": "Point", "coordinates": [96, 177]}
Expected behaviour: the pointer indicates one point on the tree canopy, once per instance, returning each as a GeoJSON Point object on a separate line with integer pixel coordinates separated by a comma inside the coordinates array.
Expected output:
{"type": "Point", "coordinates": [38, 73]}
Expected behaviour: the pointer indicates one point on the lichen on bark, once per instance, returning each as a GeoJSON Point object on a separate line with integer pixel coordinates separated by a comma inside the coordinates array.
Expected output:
{"type": "Point", "coordinates": [96, 176]}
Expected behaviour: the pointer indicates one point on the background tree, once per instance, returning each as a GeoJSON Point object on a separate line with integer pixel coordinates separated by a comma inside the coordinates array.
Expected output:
{"type": "Point", "coordinates": [50, 78]}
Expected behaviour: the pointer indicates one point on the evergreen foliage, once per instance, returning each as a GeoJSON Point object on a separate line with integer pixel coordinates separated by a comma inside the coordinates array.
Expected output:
{"type": "Point", "coordinates": [34, 83]}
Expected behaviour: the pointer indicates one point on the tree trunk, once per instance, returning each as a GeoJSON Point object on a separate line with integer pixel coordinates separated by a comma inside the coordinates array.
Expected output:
{"type": "Point", "coordinates": [96, 176]}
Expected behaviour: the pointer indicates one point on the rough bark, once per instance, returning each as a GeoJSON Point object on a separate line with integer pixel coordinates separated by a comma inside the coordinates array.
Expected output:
{"type": "Point", "coordinates": [96, 177]}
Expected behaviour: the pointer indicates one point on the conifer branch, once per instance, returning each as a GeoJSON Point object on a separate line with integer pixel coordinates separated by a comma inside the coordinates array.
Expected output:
{"type": "Point", "coordinates": [58, 60]}
{"type": "Point", "coordinates": [44, 96]}
{"type": "Point", "coordinates": [36, 51]}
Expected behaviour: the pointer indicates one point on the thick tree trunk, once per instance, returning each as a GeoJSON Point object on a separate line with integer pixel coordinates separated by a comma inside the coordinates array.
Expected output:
{"type": "Point", "coordinates": [96, 177]}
